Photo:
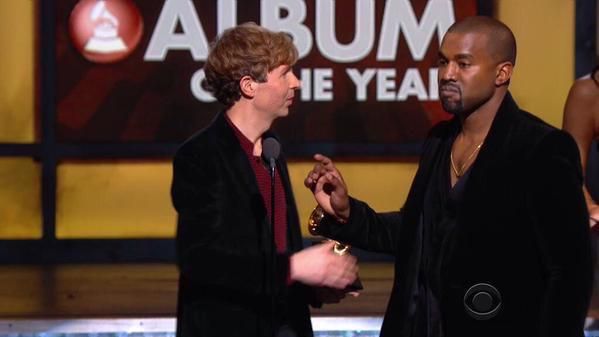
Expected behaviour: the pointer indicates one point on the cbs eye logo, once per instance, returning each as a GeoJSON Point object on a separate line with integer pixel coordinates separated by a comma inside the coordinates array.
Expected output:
{"type": "Point", "coordinates": [482, 301]}
{"type": "Point", "coordinates": [105, 31]}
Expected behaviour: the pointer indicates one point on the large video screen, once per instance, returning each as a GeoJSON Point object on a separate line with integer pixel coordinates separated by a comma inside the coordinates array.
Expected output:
{"type": "Point", "coordinates": [130, 71]}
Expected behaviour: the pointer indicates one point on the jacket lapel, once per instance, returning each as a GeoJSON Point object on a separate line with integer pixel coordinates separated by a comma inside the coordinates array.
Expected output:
{"type": "Point", "coordinates": [242, 169]}
{"type": "Point", "coordinates": [234, 154]}
{"type": "Point", "coordinates": [473, 215]}
{"type": "Point", "coordinates": [491, 152]}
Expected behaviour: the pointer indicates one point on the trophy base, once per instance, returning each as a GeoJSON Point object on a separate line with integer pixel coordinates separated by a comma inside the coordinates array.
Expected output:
{"type": "Point", "coordinates": [356, 286]}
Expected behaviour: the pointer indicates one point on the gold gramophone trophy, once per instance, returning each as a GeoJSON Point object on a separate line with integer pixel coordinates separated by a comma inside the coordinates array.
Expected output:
{"type": "Point", "coordinates": [313, 227]}
{"type": "Point", "coordinates": [340, 248]}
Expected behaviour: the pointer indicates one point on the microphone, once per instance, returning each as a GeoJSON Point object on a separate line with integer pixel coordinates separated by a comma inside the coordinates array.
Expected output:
{"type": "Point", "coordinates": [271, 149]}
{"type": "Point", "coordinates": [270, 152]}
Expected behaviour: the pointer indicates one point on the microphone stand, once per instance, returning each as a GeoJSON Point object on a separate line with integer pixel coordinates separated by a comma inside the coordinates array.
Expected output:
{"type": "Point", "coordinates": [272, 166]}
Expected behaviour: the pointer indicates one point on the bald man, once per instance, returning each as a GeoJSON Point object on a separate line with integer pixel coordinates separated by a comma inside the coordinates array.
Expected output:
{"type": "Point", "coordinates": [493, 238]}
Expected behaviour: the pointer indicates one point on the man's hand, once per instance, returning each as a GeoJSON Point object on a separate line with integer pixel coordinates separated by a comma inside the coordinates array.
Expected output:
{"type": "Point", "coordinates": [328, 187]}
{"type": "Point", "coordinates": [319, 266]}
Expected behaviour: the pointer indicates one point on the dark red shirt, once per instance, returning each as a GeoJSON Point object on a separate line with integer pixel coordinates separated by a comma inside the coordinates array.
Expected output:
{"type": "Point", "coordinates": [262, 174]}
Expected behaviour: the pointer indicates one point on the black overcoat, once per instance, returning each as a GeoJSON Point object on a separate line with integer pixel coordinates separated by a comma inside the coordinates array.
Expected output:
{"type": "Point", "coordinates": [224, 243]}
{"type": "Point", "coordinates": [522, 229]}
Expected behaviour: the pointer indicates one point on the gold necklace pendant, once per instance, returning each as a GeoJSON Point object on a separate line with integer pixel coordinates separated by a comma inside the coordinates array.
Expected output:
{"type": "Point", "coordinates": [460, 172]}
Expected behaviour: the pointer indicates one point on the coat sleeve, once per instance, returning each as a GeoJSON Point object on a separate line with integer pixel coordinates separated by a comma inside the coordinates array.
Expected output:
{"type": "Point", "coordinates": [561, 222]}
{"type": "Point", "coordinates": [381, 232]}
{"type": "Point", "coordinates": [366, 229]}
{"type": "Point", "coordinates": [207, 256]}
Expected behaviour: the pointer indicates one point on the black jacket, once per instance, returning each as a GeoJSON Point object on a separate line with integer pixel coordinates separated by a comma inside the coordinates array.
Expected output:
{"type": "Point", "coordinates": [522, 229]}
{"type": "Point", "coordinates": [224, 243]}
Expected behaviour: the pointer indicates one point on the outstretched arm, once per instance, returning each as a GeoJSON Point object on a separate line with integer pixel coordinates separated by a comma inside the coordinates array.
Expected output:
{"type": "Point", "coordinates": [581, 117]}
{"type": "Point", "coordinates": [350, 220]}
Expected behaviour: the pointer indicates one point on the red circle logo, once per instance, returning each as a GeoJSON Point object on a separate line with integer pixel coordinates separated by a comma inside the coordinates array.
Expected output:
{"type": "Point", "coordinates": [105, 31]}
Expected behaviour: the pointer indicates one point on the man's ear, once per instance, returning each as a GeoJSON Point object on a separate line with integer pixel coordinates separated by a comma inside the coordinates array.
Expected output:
{"type": "Point", "coordinates": [504, 73]}
{"type": "Point", "coordinates": [247, 85]}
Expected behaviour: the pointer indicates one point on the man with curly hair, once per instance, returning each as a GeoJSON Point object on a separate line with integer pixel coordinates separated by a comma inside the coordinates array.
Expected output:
{"type": "Point", "coordinates": [241, 274]}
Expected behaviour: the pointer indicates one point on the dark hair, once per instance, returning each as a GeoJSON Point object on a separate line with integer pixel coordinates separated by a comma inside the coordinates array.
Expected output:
{"type": "Point", "coordinates": [594, 74]}
{"type": "Point", "coordinates": [245, 50]}
{"type": "Point", "coordinates": [502, 41]}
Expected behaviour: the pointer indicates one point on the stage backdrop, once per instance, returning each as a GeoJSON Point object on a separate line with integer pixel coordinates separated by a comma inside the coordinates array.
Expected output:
{"type": "Point", "coordinates": [130, 71]}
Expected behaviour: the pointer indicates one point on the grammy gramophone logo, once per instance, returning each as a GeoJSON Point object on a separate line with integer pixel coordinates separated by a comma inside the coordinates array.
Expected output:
{"type": "Point", "coordinates": [105, 31]}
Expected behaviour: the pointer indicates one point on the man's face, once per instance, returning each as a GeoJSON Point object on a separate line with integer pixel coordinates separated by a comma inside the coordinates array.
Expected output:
{"type": "Point", "coordinates": [274, 96]}
{"type": "Point", "coordinates": [467, 72]}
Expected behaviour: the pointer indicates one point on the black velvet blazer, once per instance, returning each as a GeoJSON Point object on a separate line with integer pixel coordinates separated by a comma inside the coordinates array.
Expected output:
{"type": "Point", "coordinates": [519, 262]}
{"type": "Point", "coordinates": [224, 243]}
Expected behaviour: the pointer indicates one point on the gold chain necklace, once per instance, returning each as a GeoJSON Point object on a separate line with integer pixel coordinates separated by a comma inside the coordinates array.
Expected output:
{"type": "Point", "coordinates": [460, 172]}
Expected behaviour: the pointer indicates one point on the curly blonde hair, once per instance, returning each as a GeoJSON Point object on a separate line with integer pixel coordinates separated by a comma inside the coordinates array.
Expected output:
{"type": "Point", "coordinates": [244, 50]}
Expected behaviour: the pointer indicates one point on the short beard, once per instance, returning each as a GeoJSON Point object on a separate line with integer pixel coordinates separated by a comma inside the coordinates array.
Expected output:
{"type": "Point", "coordinates": [453, 108]}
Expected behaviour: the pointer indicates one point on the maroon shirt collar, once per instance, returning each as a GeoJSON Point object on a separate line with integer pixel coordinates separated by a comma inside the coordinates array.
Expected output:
{"type": "Point", "coordinates": [246, 144]}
